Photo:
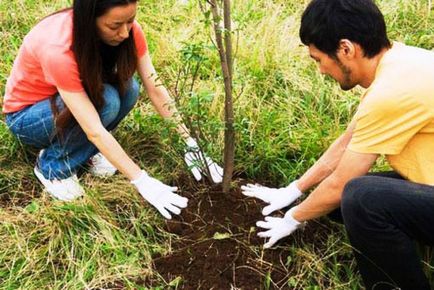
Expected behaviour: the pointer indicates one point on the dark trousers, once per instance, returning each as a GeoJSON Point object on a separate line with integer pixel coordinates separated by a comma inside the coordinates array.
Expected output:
{"type": "Point", "coordinates": [385, 217]}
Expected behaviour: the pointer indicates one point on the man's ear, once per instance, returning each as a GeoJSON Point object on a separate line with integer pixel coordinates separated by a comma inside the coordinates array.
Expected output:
{"type": "Point", "coordinates": [347, 49]}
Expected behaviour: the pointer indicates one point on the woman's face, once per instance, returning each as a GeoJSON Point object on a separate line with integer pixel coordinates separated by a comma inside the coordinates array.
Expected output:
{"type": "Point", "coordinates": [114, 26]}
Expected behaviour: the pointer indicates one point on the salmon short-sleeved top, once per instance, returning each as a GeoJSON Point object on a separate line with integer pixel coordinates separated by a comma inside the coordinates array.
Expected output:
{"type": "Point", "coordinates": [396, 114]}
{"type": "Point", "coordinates": [45, 62]}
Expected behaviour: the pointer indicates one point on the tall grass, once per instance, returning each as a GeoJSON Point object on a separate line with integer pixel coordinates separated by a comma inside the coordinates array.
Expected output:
{"type": "Point", "coordinates": [286, 116]}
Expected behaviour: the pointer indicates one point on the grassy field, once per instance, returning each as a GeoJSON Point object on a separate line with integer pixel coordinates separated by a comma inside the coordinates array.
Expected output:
{"type": "Point", "coordinates": [286, 116]}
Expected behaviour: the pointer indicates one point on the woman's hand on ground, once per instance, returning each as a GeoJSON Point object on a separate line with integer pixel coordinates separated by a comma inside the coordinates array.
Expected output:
{"type": "Point", "coordinates": [160, 195]}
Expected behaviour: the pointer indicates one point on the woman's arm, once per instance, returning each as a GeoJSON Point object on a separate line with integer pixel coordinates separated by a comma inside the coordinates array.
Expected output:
{"type": "Point", "coordinates": [164, 105]}
{"type": "Point", "coordinates": [87, 117]}
{"type": "Point", "coordinates": [158, 94]}
{"type": "Point", "coordinates": [161, 196]}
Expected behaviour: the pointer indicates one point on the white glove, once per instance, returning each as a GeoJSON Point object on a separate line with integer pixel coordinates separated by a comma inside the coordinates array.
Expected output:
{"type": "Point", "coordinates": [276, 197]}
{"type": "Point", "coordinates": [195, 161]}
{"type": "Point", "coordinates": [160, 195]}
{"type": "Point", "coordinates": [278, 227]}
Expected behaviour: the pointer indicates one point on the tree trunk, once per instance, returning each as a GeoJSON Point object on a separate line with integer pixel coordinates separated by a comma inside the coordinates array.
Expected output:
{"type": "Point", "coordinates": [225, 52]}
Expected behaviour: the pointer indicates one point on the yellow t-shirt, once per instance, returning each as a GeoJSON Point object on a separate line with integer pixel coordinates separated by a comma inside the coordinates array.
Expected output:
{"type": "Point", "coordinates": [396, 114]}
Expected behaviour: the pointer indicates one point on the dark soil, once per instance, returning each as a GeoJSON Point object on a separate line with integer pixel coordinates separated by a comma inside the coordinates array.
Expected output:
{"type": "Point", "coordinates": [10, 198]}
{"type": "Point", "coordinates": [218, 247]}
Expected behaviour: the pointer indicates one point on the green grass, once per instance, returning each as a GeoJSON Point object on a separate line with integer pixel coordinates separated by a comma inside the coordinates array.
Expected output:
{"type": "Point", "coordinates": [286, 116]}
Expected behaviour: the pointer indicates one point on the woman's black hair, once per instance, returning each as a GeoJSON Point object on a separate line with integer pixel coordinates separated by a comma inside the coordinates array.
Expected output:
{"type": "Point", "coordinates": [97, 62]}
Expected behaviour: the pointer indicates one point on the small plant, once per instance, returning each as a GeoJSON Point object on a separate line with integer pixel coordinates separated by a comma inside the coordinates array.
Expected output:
{"type": "Point", "coordinates": [194, 104]}
{"type": "Point", "coordinates": [193, 57]}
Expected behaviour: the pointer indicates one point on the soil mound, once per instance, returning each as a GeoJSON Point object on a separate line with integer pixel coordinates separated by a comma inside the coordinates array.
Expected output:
{"type": "Point", "coordinates": [218, 247]}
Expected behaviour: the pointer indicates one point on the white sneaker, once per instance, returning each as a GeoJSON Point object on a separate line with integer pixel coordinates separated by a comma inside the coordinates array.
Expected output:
{"type": "Point", "coordinates": [100, 166]}
{"type": "Point", "coordinates": [64, 189]}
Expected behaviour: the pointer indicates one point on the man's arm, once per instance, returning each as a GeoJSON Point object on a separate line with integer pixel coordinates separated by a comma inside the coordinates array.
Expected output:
{"type": "Point", "coordinates": [327, 196]}
{"type": "Point", "coordinates": [322, 200]}
{"type": "Point", "coordinates": [328, 162]}
{"type": "Point", "coordinates": [326, 165]}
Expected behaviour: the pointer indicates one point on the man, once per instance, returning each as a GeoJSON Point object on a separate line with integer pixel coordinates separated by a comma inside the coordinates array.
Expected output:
{"type": "Point", "coordinates": [384, 214]}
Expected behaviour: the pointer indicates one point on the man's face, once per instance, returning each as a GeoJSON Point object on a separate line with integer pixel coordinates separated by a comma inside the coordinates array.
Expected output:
{"type": "Point", "coordinates": [334, 68]}
{"type": "Point", "coordinates": [114, 26]}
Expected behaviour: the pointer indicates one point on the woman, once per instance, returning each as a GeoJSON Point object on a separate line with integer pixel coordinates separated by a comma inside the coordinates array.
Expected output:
{"type": "Point", "coordinates": [72, 83]}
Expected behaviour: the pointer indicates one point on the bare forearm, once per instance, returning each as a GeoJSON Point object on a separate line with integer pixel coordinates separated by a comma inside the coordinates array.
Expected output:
{"type": "Point", "coordinates": [165, 106]}
{"type": "Point", "coordinates": [325, 198]}
{"type": "Point", "coordinates": [325, 165]}
{"type": "Point", "coordinates": [162, 102]}
{"type": "Point", "coordinates": [111, 149]}
{"type": "Point", "coordinates": [159, 95]}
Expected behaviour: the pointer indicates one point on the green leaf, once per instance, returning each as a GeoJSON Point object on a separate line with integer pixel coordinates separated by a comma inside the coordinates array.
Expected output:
{"type": "Point", "coordinates": [32, 207]}
{"type": "Point", "coordinates": [221, 236]}
{"type": "Point", "coordinates": [176, 282]}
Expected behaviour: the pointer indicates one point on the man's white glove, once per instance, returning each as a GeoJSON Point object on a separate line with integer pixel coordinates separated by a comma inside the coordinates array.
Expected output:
{"type": "Point", "coordinates": [160, 195]}
{"type": "Point", "coordinates": [195, 161]}
{"type": "Point", "coordinates": [277, 198]}
{"type": "Point", "coordinates": [278, 227]}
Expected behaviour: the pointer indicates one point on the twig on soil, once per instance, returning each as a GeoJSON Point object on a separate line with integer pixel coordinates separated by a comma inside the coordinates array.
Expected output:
{"type": "Point", "coordinates": [232, 263]}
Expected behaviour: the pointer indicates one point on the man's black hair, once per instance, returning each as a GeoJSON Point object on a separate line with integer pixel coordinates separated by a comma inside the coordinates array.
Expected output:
{"type": "Point", "coordinates": [325, 22]}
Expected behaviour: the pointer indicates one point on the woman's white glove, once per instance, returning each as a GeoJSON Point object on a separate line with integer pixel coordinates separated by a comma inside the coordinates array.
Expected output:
{"type": "Point", "coordinates": [277, 198]}
{"type": "Point", "coordinates": [160, 195]}
{"type": "Point", "coordinates": [278, 228]}
{"type": "Point", "coordinates": [195, 162]}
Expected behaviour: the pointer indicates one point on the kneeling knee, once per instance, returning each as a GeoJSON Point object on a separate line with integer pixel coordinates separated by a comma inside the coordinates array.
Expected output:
{"type": "Point", "coordinates": [131, 95]}
{"type": "Point", "coordinates": [112, 105]}
{"type": "Point", "coordinates": [356, 194]}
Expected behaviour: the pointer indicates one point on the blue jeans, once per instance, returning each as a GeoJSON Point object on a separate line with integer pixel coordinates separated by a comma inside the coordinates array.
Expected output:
{"type": "Point", "coordinates": [35, 126]}
{"type": "Point", "coordinates": [385, 217]}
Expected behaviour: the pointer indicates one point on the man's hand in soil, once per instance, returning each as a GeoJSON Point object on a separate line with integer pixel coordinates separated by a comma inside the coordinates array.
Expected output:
{"type": "Point", "coordinates": [160, 195]}
{"type": "Point", "coordinates": [277, 198]}
{"type": "Point", "coordinates": [278, 228]}
{"type": "Point", "coordinates": [197, 161]}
